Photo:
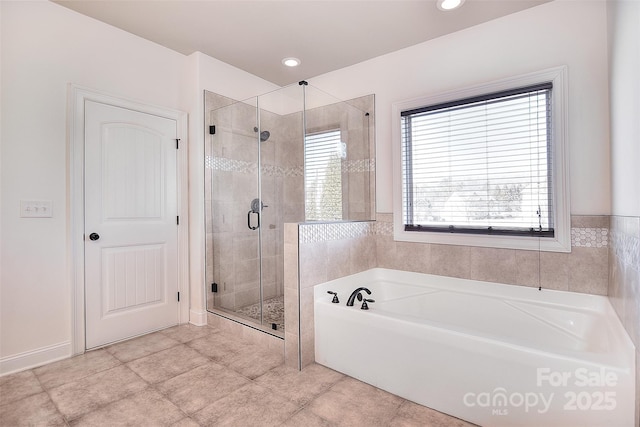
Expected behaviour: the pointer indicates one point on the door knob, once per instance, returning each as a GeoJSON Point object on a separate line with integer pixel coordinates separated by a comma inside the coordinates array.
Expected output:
{"type": "Point", "coordinates": [94, 236]}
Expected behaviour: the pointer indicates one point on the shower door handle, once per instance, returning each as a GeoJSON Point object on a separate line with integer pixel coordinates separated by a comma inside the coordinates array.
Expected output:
{"type": "Point", "coordinates": [249, 220]}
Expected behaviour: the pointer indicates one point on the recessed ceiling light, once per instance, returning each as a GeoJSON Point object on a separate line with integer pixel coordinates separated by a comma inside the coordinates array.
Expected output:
{"type": "Point", "coordinates": [291, 62]}
{"type": "Point", "coordinates": [449, 4]}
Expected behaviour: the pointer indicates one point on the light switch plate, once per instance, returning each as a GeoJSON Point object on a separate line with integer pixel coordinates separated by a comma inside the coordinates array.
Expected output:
{"type": "Point", "coordinates": [36, 208]}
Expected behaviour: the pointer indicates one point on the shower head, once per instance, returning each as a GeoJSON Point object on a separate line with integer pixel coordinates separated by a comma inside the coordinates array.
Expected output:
{"type": "Point", "coordinates": [264, 135]}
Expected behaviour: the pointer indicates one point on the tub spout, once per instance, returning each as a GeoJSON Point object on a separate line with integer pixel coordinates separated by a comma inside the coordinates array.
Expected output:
{"type": "Point", "coordinates": [355, 294]}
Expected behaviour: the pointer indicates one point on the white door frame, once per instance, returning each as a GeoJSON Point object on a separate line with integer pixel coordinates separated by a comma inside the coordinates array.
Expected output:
{"type": "Point", "coordinates": [77, 95]}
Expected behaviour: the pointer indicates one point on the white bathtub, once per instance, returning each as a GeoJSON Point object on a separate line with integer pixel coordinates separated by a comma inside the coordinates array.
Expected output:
{"type": "Point", "coordinates": [491, 354]}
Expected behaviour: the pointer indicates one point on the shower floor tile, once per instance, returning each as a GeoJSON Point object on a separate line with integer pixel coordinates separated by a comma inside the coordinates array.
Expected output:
{"type": "Point", "coordinates": [273, 312]}
{"type": "Point", "coordinates": [205, 377]}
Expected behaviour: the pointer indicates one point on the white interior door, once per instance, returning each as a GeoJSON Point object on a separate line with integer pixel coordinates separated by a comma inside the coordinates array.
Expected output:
{"type": "Point", "coordinates": [131, 232]}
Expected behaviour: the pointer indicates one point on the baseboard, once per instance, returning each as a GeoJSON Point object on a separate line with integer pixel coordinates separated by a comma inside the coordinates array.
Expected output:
{"type": "Point", "coordinates": [198, 317]}
{"type": "Point", "coordinates": [33, 358]}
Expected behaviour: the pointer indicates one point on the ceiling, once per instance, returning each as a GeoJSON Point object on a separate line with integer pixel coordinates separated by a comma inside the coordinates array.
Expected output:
{"type": "Point", "coordinates": [325, 35]}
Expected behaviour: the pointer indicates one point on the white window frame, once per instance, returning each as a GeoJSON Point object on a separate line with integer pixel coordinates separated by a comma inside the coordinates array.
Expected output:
{"type": "Point", "coordinates": [561, 242]}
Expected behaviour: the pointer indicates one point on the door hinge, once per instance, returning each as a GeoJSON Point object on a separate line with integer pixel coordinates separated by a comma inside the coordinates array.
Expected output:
{"type": "Point", "coordinates": [178, 296]}
{"type": "Point", "coordinates": [177, 220]}
{"type": "Point", "coordinates": [177, 143]}
{"type": "Point", "coordinates": [212, 130]}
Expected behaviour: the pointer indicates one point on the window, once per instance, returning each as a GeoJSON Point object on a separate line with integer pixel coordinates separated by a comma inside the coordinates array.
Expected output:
{"type": "Point", "coordinates": [323, 154]}
{"type": "Point", "coordinates": [482, 164]}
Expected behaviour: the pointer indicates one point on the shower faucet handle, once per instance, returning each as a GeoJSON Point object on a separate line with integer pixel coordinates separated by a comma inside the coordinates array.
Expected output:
{"type": "Point", "coordinates": [335, 297]}
{"type": "Point", "coordinates": [257, 205]}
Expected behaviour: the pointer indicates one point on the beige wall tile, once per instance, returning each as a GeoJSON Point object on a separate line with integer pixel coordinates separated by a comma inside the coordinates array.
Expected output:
{"type": "Point", "coordinates": [307, 332]}
{"type": "Point", "coordinates": [527, 268]}
{"type": "Point", "coordinates": [554, 271]}
{"type": "Point", "coordinates": [291, 350]}
{"type": "Point", "coordinates": [338, 258]}
{"type": "Point", "coordinates": [413, 257]}
{"type": "Point", "coordinates": [384, 217]}
{"type": "Point", "coordinates": [213, 321]}
{"type": "Point", "coordinates": [362, 254]}
{"type": "Point", "coordinates": [313, 263]}
{"type": "Point", "coordinates": [291, 310]}
{"type": "Point", "coordinates": [291, 266]}
{"type": "Point", "coordinates": [291, 233]}
{"type": "Point", "coordinates": [589, 270]}
{"type": "Point", "coordinates": [386, 252]}
{"type": "Point", "coordinates": [449, 260]}
{"type": "Point", "coordinates": [248, 296]}
{"type": "Point", "coordinates": [493, 265]}
{"type": "Point", "coordinates": [276, 345]}
{"type": "Point", "coordinates": [590, 221]}
{"type": "Point", "coordinates": [229, 326]}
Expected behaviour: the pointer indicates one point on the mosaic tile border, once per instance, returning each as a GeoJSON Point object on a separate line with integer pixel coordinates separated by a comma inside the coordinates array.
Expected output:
{"type": "Point", "coordinates": [231, 165]}
{"type": "Point", "coordinates": [312, 233]}
{"type": "Point", "coordinates": [361, 165]}
{"type": "Point", "coordinates": [589, 237]}
{"type": "Point", "coordinates": [384, 228]}
{"type": "Point", "coordinates": [279, 171]}
{"type": "Point", "coordinates": [208, 162]}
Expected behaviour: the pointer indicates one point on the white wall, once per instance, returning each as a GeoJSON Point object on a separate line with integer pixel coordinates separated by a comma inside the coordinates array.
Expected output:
{"type": "Point", "coordinates": [624, 72]}
{"type": "Point", "coordinates": [571, 33]}
{"type": "Point", "coordinates": [45, 47]}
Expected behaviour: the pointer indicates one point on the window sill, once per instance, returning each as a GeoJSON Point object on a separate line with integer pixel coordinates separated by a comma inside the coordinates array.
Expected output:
{"type": "Point", "coordinates": [560, 243]}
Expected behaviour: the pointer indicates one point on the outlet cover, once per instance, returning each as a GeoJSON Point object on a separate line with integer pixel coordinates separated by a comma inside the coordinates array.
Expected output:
{"type": "Point", "coordinates": [36, 208]}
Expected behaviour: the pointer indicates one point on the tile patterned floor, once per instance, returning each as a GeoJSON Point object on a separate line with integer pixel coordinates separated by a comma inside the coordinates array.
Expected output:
{"type": "Point", "coordinates": [198, 376]}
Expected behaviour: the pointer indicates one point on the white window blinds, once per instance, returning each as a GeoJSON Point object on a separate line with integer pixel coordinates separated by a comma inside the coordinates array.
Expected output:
{"type": "Point", "coordinates": [323, 155]}
{"type": "Point", "coordinates": [480, 165]}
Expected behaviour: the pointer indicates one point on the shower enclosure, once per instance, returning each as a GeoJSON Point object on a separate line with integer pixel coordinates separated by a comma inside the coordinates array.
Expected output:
{"type": "Point", "coordinates": [293, 155]}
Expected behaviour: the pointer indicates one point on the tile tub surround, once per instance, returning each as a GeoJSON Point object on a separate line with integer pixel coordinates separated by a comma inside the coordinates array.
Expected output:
{"type": "Point", "coordinates": [198, 385]}
{"type": "Point", "coordinates": [584, 270]}
{"type": "Point", "coordinates": [624, 281]}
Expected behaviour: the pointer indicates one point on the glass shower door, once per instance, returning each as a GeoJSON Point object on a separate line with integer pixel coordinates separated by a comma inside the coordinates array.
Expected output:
{"type": "Point", "coordinates": [234, 166]}
{"type": "Point", "coordinates": [267, 160]}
